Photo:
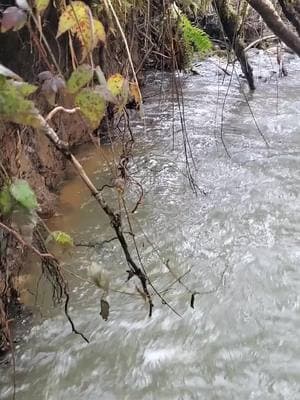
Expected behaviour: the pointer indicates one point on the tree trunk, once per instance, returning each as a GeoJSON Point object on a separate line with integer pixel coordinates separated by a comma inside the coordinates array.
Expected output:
{"type": "Point", "coordinates": [230, 22]}
{"type": "Point", "coordinates": [267, 11]}
{"type": "Point", "coordinates": [290, 11]}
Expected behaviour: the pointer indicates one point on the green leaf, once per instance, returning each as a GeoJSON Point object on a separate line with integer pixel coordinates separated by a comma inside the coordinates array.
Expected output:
{"type": "Point", "coordinates": [80, 78]}
{"type": "Point", "coordinates": [25, 89]}
{"type": "Point", "coordinates": [22, 192]}
{"type": "Point", "coordinates": [92, 105]}
{"type": "Point", "coordinates": [6, 201]}
{"type": "Point", "coordinates": [62, 238]}
{"type": "Point", "coordinates": [14, 107]}
{"type": "Point", "coordinates": [193, 39]}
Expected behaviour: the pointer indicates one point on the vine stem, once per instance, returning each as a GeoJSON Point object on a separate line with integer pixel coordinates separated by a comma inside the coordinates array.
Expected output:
{"type": "Point", "coordinates": [111, 7]}
{"type": "Point", "coordinates": [25, 244]}
{"type": "Point", "coordinates": [45, 41]}
{"type": "Point", "coordinates": [60, 108]}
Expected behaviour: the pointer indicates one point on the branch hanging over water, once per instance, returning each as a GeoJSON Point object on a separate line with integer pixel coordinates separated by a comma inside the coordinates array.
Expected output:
{"type": "Point", "coordinates": [114, 217]}
{"type": "Point", "coordinates": [273, 20]}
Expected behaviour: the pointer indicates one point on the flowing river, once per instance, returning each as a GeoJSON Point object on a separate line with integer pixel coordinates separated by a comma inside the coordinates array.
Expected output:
{"type": "Point", "coordinates": [238, 246]}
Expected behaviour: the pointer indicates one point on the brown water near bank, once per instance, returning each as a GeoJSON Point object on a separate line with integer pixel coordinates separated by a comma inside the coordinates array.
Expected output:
{"type": "Point", "coordinates": [35, 292]}
{"type": "Point", "coordinates": [95, 159]}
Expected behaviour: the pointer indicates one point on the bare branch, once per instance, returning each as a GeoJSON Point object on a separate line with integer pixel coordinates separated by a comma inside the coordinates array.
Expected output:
{"type": "Point", "coordinates": [60, 108]}
{"type": "Point", "coordinates": [273, 20]}
{"type": "Point", "coordinates": [114, 217]}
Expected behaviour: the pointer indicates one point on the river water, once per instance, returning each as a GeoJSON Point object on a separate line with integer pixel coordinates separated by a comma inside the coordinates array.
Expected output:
{"type": "Point", "coordinates": [240, 243]}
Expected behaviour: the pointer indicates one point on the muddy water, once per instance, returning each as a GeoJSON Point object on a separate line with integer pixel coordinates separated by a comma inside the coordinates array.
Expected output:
{"type": "Point", "coordinates": [240, 242]}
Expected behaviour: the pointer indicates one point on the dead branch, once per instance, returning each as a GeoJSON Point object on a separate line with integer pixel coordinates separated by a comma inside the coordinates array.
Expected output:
{"type": "Point", "coordinates": [60, 108]}
{"type": "Point", "coordinates": [114, 217]}
{"type": "Point", "coordinates": [259, 40]}
{"type": "Point", "coordinates": [95, 244]}
{"type": "Point", "coordinates": [141, 196]}
{"type": "Point", "coordinates": [53, 262]}
{"type": "Point", "coordinates": [273, 20]}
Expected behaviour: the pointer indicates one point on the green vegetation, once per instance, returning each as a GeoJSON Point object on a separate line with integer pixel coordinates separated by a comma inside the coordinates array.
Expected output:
{"type": "Point", "coordinates": [194, 39]}
{"type": "Point", "coordinates": [14, 106]}
{"type": "Point", "coordinates": [17, 194]}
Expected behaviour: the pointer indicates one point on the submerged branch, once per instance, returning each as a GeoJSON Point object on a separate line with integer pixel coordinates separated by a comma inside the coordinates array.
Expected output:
{"type": "Point", "coordinates": [95, 244]}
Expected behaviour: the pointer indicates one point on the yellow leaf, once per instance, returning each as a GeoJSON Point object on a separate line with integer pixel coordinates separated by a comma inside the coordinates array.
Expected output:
{"type": "Point", "coordinates": [90, 35]}
{"type": "Point", "coordinates": [135, 93]}
{"type": "Point", "coordinates": [41, 5]}
{"type": "Point", "coordinates": [99, 31]}
{"type": "Point", "coordinates": [119, 88]}
{"type": "Point", "coordinates": [115, 84]}
{"type": "Point", "coordinates": [62, 238]}
{"type": "Point", "coordinates": [75, 12]}
{"type": "Point", "coordinates": [77, 18]}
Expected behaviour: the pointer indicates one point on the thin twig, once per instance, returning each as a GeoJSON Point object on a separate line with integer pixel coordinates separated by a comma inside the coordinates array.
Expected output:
{"type": "Point", "coordinates": [209, 291]}
{"type": "Point", "coordinates": [95, 244]}
{"type": "Point", "coordinates": [25, 244]}
{"type": "Point", "coordinates": [110, 6]}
